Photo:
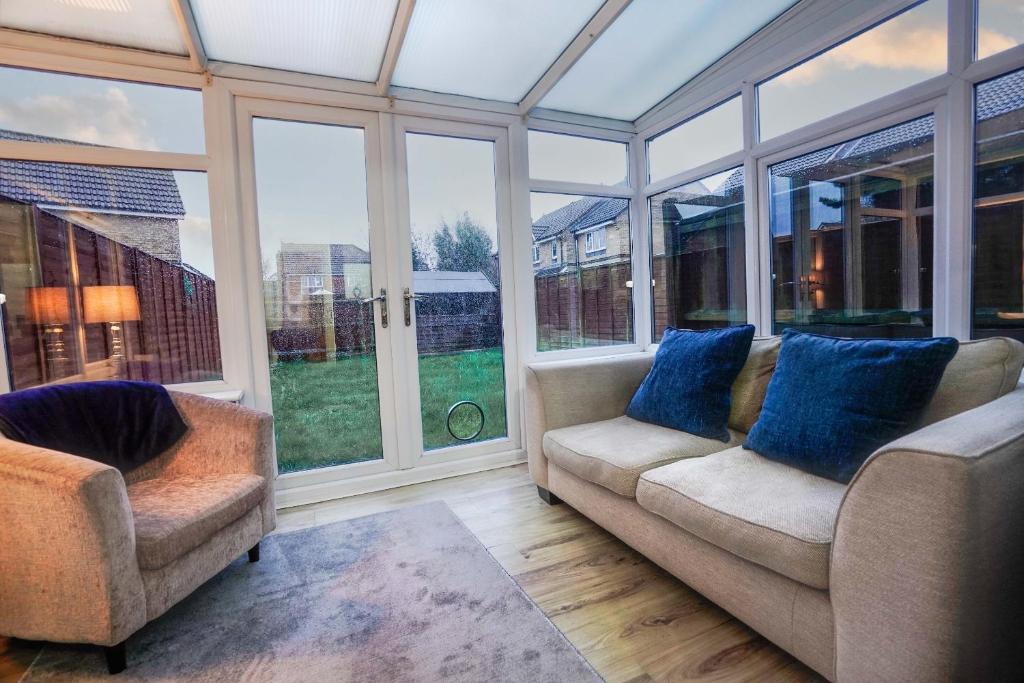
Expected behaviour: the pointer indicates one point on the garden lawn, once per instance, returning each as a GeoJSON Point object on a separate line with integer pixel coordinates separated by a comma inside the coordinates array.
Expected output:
{"type": "Point", "coordinates": [327, 413]}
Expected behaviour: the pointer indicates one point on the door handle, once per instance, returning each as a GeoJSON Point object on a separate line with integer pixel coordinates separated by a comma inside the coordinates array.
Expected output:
{"type": "Point", "coordinates": [383, 299]}
{"type": "Point", "coordinates": [408, 297]}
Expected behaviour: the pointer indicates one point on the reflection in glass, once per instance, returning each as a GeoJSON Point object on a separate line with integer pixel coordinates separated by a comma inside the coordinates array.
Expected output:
{"type": "Point", "coordinates": [700, 140]}
{"type": "Point", "coordinates": [456, 279]}
{"type": "Point", "coordinates": [576, 159]}
{"type": "Point", "coordinates": [698, 257]}
{"type": "Point", "coordinates": [900, 52]}
{"type": "Point", "coordinates": [314, 242]}
{"type": "Point", "coordinates": [998, 286]}
{"type": "Point", "coordinates": [108, 274]}
{"type": "Point", "coordinates": [582, 271]}
{"type": "Point", "coordinates": [1000, 26]}
{"type": "Point", "coordinates": [851, 235]}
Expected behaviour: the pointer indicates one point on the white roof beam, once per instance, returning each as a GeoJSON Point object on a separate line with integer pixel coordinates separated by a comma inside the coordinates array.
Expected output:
{"type": "Point", "coordinates": [189, 33]}
{"type": "Point", "coordinates": [403, 15]}
{"type": "Point", "coordinates": [601, 20]}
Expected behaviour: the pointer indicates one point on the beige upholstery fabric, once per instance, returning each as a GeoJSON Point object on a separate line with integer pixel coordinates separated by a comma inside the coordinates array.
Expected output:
{"type": "Point", "coordinates": [763, 511]}
{"type": "Point", "coordinates": [928, 554]}
{"type": "Point", "coordinates": [565, 393]}
{"type": "Point", "coordinates": [69, 565]}
{"type": "Point", "coordinates": [614, 453]}
{"type": "Point", "coordinates": [752, 383]}
{"type": "Point", "coordinates": [981, 371]}
{"type": "Point", "coordinates": [169, 584]}
{"type": "Point", "coordinates": [174, 516]}
{"type": "Point", "coordinates": [778, 607]}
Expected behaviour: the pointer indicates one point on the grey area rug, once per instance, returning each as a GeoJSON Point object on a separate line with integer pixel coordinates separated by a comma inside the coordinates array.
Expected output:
{"type": "Point", "coordinates": [409, 595]}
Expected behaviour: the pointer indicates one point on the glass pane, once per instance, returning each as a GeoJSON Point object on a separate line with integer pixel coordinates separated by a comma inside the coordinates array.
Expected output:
{"type": "Point", "coordinates": [700, 140]}
{"type": "Point", "coordinates": [577, 159]}
{"type": "Point", "coordinates": [511, 43]}
{"type": "Point", "coordinates": [108, 274]}
{"type": "Point", "coordinates": [315, 248]}
{"type": "Point", "coordinates": [455, 251]}
{"type": "Point", "coordinates": [582, 271]}
{"type": "Point", "coordinates": [1000, 26]}
{"type": "Point", "coordinates": [851, 236]}
{"type": "Point", "coordinates": [907, 49]}
{"type": "Point", "coordinates": [143, 24]}
{"type": "Point", "coordinates": [998, 290]}
{"type": "Point", "coordinates": [698, 264]}
{"type": "Point", "coordinates": [651, 49]}
{"type": "Point", "coordinates": [326, 37]}
{"type": "Point", "coordinates": [40, 106]}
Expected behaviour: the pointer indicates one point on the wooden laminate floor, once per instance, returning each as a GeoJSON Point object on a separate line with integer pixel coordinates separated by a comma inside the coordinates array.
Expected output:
{"type": "Point", "coordinates": [631, 620]}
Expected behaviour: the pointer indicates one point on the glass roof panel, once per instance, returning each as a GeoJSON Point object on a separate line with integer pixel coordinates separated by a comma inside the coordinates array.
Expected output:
{"type": "Point", "coordinates": [666, 42]}
{"type": "Point", "coordinates": [494, 50]}
{"type": "Point", "coordinates": [142, 24]}
{"type": "Point", "coordinates": [341, 38]}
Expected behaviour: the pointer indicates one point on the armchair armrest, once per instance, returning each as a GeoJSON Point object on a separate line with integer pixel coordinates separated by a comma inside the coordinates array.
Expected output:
{"type": "Point", "coordinates": [571, 392]}
{"type": "Point", "coordinates": [68, 570]}
{"type": "Point", "coordinates": [225, 438]}
{"type": "Point", "coordinates": [928, 553]}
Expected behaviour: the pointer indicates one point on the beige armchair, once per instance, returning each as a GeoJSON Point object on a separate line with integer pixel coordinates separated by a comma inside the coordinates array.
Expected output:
{"type": "Point", "coordinates": [89, 556]}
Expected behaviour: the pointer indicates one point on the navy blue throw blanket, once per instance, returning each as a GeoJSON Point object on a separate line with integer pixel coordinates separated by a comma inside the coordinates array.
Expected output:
{"type": "Point", "coordinates": [119, 423]}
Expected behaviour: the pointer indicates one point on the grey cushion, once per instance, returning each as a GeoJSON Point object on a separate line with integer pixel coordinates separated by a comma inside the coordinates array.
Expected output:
{"type": "Point", "coordinates": [751, 384]}
{"type": "Point", "coordinates": [614, 453]}
{"type": "Point", "coordinates": [176, 515]}
{"type": "Point", "coordinates": [981, 371]}
{"type": "Point", "coordinates": [760, 510]}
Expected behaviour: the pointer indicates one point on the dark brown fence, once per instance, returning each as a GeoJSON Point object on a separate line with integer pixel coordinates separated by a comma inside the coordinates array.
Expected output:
{"type": "Point", "coordinates": [592, 306]}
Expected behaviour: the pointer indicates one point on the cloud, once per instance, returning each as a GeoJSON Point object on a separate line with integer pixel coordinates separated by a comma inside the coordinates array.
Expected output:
{"type": "Point", "coordinates": [991, 42]}
{"type": "Point", "coordinates": [893, 46]}
{"type": "Point", "coordinates": [197, 242]}
{"type": "Point", "coordinates": [106, 118]}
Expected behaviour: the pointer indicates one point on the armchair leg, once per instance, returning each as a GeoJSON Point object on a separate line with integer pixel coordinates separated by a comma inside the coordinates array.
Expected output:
{"type": "Point", "coordinates": [254, 553]}
{"type": "Point", "coordinates": [547, 496]}
{"type": "Point", "coordinates": [117, 658]}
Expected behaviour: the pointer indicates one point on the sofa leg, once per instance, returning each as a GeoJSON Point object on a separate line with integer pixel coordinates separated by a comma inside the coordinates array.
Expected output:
{"type": "Point", "coordinates": [117, 657]}
{"type": "Point", "coordinates": [254, 553]}
{"type": "Point", "coordinates": [547, 496]}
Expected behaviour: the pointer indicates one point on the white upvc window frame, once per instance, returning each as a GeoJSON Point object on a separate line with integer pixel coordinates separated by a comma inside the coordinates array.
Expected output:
{"type": "Point", "coordinates": [536, 253]}
{"type": "Point", "coordinates": [311, 283]}
{"type": "Point", "coordinates": [595, 239]}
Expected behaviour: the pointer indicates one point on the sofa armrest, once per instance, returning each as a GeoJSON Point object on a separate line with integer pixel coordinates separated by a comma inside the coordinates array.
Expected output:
{"type": "Point", "coordinates": [68, 569]}
{"type": "Point", "coordinates": [571, 392]}
{"type": "Point", "coordinates": [225, 438]}
{"type": "Point", "coordinates": [928, 553]}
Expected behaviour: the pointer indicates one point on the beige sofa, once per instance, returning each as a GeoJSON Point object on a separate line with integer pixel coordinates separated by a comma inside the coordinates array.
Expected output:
{"type": "Point", "coordinates": [89, 556]}
{"type": "Point", "coordinates": [912, 572]}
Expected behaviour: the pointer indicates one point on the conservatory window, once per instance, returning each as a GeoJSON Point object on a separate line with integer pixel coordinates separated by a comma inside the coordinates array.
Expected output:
{"type": "Point", "coordinates": [700, 140]}
{"type": "Point", "coordinates": [851, 235]}
{"type": "Point", "coordinates": [998, 285]}
{"type": "Point", "coordinates": [575, 159]}
{"type": "Point", "coordinates": [906, 49]}
{"type": "Point", "coordinates": [698, 254]}
{"type": "Point", "coordinates": [1000, 26]}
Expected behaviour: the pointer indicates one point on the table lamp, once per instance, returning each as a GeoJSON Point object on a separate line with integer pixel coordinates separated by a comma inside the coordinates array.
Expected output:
{"type": "Point", "coordinates": [111, 304]}
{"type": "Point", "coordinates": [49, 308]}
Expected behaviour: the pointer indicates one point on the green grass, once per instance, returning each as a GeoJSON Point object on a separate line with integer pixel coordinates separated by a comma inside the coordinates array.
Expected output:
{"type": "Point", "coordinates": [327, 413]}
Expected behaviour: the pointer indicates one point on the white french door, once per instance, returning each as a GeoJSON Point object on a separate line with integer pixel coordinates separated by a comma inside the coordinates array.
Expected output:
{"type": "Point", "coordinates": [379, 298]}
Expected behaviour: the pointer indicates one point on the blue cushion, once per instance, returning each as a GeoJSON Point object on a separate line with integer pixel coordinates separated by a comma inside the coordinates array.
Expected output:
{"type": "Point", "coordinates": [832, 402]}
{"type": "Point", "coordinates": [689, 387]}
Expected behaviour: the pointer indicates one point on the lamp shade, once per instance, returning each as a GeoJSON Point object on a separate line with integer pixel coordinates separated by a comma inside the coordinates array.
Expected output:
{"type": "Point", "coordinates": [110, 303]}
{"type": "Point", "coordinates": [48, 305]}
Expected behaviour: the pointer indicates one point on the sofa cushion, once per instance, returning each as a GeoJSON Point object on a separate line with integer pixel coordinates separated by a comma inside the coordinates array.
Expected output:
{"type": "Point", "coordinates": [752, 383]}
{"type": "Point", "coordinates": [613, 453]}
{"type": "Point", "coordinates": [776, 516]}
{"type": "Point", "coordinates": [176, 515]}
{"type": "Point", "coordinates": [981, 371]}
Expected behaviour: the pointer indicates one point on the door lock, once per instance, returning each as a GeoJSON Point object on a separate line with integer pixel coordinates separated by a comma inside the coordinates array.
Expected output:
{"type": "Point", "coordinates": [408, 297]}
{"type": "Point", "coordinates": [383, 299]}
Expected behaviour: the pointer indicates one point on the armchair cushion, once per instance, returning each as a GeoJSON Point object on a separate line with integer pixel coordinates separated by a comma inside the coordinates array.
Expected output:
{"type": "Point", "coordinates": [176, 515]}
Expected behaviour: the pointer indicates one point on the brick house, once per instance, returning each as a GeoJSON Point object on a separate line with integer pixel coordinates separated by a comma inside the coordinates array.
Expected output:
{"type": "Point", "coordinates": [589, 232]}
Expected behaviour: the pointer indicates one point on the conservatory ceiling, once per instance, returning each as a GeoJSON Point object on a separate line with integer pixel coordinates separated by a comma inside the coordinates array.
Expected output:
{"type": "Point", "coordinates": [581, 56]}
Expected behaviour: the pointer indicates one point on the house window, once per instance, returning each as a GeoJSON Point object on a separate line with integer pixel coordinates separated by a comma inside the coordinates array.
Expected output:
{"type": "Point", "coordinates": [998, 284]}
{"type": "Point", "coordinates": [311, 284]}
{"type": "Point", "coordinates": [536, 253]}
{"type": "Point", "coordinates": [847, 226]}
{"type": "Point", "coordinates": [856, 71]}
{"type": "Point", "coordinates": [581, 303]}
{"type": "Point", "coordinates": [700, 140]}
{"type": "Point", "coordinates": [698, 264]}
